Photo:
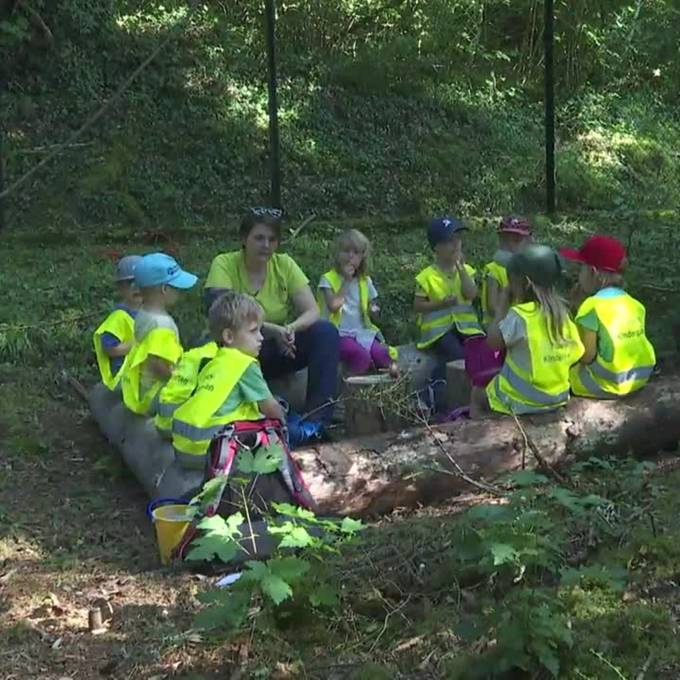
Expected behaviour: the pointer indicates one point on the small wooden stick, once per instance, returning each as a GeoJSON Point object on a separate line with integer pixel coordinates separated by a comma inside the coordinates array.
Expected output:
{"type": "Point", "coordinates": [542, 462]}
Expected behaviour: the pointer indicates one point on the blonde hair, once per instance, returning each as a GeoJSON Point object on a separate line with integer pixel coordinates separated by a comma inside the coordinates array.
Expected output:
{"type": "Point", "coordinates": [353, 238]}
{"type": "Point", "coordinates": [603, 279]}
{"type": "Point", "coordinates": [232, 311]}
{"type": "Point", "coordinates": [552, 305]}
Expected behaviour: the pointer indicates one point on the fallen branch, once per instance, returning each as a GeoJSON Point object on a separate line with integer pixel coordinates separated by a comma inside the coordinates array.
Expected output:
{"type": "Point", "coordinates": [542, 462]}
{"type": "Point", "coordinates": [294, 232]}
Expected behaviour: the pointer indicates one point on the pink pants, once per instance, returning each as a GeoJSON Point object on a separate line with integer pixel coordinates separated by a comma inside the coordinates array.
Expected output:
{"type": "Point", "coordinates": [357, 359]}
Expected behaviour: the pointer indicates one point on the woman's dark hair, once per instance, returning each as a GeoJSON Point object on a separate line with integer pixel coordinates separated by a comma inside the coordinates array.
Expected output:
{"type": "Point", "coordinates": [270, 217]}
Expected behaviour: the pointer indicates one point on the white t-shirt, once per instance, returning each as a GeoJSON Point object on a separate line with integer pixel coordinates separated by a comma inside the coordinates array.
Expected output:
{"type": "Point", "coordinates": [351, 322]}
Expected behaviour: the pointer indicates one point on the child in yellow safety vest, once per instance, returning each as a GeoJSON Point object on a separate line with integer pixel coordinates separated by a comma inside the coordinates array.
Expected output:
{"type": "Point", "coordinates": [115, 336]}
{"type": "Point", "coordinates": [230, 387]}
{"type": "Point", "coordinates": [157, 346]}
{"type": "Point", "coordinates": [181, 385]}
{"type": "Point", "coordinates": [513, 234]}
{"type": "Point", "coordinates": [347, 298]}
{"type": "Point", "coordinates": [443, 301]}
{"type": "Point", "coordinates": [541, 342]}
{"type": "Point", "coordinates": [618, 358]}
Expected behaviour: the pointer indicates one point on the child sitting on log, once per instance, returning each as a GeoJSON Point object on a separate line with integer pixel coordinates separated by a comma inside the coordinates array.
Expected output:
{"type": "Point", "coordinates": [618, 358]}
{"type": "Point", "coordinates": [514, 233]}
{"type": "Point", "coordinates": [532, 325]}
{"type": "Point", "coordinates": [115, 336]}
{"type": "Point", "coordinates": [181, 385]}
{"type": "Point", "coordinates": [347, 298]}
{"type": "Point", "coordinates": [443, 301]}
{"type": "Point", "coordinates": [231, 386]}
{"type": "Point", "coordinates": [157, 347]}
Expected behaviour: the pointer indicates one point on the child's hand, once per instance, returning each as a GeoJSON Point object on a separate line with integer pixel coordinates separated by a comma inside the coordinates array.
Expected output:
{"type": "Point", "coordinates": [285, 339]}
{"type": "Point", "coordinates": [348, 271]}
{"type": "Point", "coordinates": [451, 301]}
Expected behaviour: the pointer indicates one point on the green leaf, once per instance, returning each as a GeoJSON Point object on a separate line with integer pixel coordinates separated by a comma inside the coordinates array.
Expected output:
{"type": "Point", "coordinates": [211, 492]}
{"type": "Point", "coordinates": [298, 537]}
{"type": "Point", "coordinates": [268, 459]}
{"type": "Point", "coordinates": [489, 512]}
{"type": "Point", "coordinates": [231, 611]}
{"type": "Point", "coordinates": [289, 568]}
{"type": "Point", "coordinates": [502, 553]}
{"type": "Point", "coordinates": [351, 526]}
{"type": "Point", "coordinates": [546, 655]}
{"type": "Point", "coordinates": [276, 588]}
{"type": "Point", "coordinates": [245, 461]}
{"type": "Point", "coordinates": [324, 595]}
{"type": "Point", "coordinates": [294, 511]}
{"type": "Point", "coordinates": [218, 538]}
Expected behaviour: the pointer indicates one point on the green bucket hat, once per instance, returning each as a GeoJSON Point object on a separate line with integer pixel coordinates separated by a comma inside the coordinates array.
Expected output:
{"type": "Point", "coordinates": [540, 264]}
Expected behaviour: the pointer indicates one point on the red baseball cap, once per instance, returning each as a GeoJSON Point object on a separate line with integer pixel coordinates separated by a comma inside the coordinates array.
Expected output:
{"type": "Point", "coordinates": [515, 225]}
{"type": "Point", "coordinates": [605, 253]}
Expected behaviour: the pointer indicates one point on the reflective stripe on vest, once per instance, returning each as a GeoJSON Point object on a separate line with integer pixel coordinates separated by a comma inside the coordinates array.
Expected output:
{"type": "Point", "coordinates": [622, 318]}
{"type": "Point", "coordinates": [122, 325]}
{"type": "Point", "coordinates": [181, 384]}
{"type": "Point", "coordinates": [543, 385]}
{"type": "Point", "coordinates": [433, 325]}
{"type": "Point", "coordinates": [202, 416]}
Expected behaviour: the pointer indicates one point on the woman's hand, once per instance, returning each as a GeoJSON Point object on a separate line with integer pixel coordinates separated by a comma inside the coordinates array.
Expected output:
{"type": "Point", "coordinates": [284, 336]}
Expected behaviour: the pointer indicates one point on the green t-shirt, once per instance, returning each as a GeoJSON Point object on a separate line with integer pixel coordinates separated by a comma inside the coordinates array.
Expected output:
{"type": "Point", "coordinates": [251, 387]}
{"type": "Point", "coordinates": [284, 279]}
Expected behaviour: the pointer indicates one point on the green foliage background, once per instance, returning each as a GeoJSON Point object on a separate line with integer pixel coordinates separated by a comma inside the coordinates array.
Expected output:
{"type": "Point", "coordinates": [388, 107]}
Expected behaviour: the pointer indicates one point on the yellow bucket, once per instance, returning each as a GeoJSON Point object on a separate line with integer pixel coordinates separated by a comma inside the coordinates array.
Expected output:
{"type": "Point", "coordinates": [170, 521]}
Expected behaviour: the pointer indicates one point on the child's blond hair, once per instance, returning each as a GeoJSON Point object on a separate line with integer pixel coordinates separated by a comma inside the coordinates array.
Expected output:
{"type": "Point", "coordinates": [552, 305]}
{"type": "Point", "coordinates": [232, 310]}
{"type": "Point", "coordinates": [353, 238]}
{"type": "Point", "coordinates": [603, 279]}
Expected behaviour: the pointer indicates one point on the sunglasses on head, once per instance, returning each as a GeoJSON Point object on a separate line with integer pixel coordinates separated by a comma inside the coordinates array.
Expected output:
{"type": "Point", "coordinates": [273, 212]}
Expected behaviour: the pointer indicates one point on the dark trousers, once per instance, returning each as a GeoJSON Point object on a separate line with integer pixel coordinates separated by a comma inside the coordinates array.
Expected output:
{"type": "Point", "coordinates": [448, 348]}
{"type": "Point", "coordinates": [317, 350]}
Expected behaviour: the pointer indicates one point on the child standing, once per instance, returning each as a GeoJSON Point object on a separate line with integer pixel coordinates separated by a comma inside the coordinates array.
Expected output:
{"type": "Point", "coordinates": [618, 358]}
{"type": "Point", "coordinates": [114, 337]}
{"type": "Point", "coordinates": [231, 386]}
{"type": "Point", "coordinates": [513, 234]}
{"type": "Point", "coordinates": [157, 347]}
{"type": "Point", "coordinates": [347, 298]}
{"type": "Point", "coordinates": [443, 301]}
{"type": "Point", "coordinates": [532, 325]}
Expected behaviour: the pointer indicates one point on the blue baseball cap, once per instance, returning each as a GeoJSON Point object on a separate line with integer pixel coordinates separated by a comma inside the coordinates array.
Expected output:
{"type": "Point", "coordinates": [125, 269]}
{"type": "Point", "coordinates": [157, 269]}
{"type": "Point", "coordinates": [442, 229]}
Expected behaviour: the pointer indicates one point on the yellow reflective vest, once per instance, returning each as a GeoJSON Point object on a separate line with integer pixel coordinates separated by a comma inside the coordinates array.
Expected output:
{"type": "Point", "coordinates": [139, 386]}
{"type": "Point", "coordinates": [621, 318]}
{"type": "Point", "coordinates": [122, 325]}
{"type": "Point", "coordinates": [335, 279]}
{"type": "Point", "coordinates": [438, 286]}
{"type": "Point", "coordinates": [539, 380]}
{"type": "Point", "coordinates": [204, 414]}
{"type": "Point", "coordinates": [181, 385]}
{"type": "Point", "coordinates": [496, 271]}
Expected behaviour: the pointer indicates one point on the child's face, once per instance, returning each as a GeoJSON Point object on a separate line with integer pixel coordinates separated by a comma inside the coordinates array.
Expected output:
{"type": "Point", "coordinates": [170, 295]}
{"type": "Point", "coordinates": [129, 294]}
{"type": "Point", "coordinates": [449, 251]}
{"type": "Point", "coordinates": [247, 339]}
{"type": "Point", "coordinates": [587, 278]}
{"type": "Point", "coordinates": [514, 242]}
{"type": "Point", "coordinates": [350, 256]}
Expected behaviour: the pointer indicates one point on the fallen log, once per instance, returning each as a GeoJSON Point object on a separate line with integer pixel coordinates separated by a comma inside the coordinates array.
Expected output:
{"type": "Point", "coordinates": [375, 474]}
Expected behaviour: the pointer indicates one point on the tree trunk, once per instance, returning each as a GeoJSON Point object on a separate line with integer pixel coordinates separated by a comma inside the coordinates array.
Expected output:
{"type": "Point", "coordinates": [373, 475]}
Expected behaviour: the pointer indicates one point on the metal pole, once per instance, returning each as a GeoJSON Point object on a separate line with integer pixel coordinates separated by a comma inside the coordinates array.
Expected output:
{"type": "Point", "coordinates": [274, 148]}
{"type": "Point", "coordinates": [549, 78]}
{"type": "Point", "coordinates": [3, 222]}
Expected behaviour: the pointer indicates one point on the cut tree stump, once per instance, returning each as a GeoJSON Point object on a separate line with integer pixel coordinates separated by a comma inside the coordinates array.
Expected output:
{"type": "Point", "coordinates": [375, 474]}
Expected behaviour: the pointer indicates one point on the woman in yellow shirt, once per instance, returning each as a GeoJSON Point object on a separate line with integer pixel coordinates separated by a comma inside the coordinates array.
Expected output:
{"type": "Point", "coordinates": [295, 336]}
